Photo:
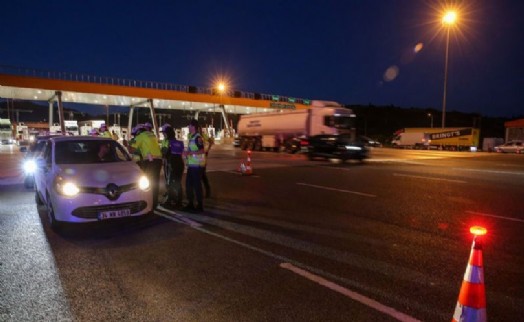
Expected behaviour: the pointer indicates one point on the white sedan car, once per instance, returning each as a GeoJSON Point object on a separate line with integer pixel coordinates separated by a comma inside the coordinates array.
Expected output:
{"type": "Point", "coordinates": [514, 146]}
{"type": "Point", "coordinates": [87, 179]}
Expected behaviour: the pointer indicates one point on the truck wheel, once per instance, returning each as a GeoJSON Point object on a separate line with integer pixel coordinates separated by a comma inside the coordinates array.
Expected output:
{"type": "Point", "coordinates": [257, 146]}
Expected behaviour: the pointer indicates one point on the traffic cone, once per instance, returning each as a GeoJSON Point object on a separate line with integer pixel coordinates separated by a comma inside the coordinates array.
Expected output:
{"type": "Point", "coordinates": [471, 303]}
{"type": "Point", "coordinates": [249, 167]}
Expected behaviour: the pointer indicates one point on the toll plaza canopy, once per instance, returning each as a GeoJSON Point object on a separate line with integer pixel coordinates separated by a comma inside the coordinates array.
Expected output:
{"type": "Point", "coordinates": [39, 85]}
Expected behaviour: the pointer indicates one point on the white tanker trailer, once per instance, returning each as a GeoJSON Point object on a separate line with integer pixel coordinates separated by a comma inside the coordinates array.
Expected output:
{"type": "Point", "coordinates": [290, 130]}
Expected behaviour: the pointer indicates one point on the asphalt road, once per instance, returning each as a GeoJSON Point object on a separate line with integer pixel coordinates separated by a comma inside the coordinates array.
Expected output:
{"type": "Point", "coordinates": [297, 241]}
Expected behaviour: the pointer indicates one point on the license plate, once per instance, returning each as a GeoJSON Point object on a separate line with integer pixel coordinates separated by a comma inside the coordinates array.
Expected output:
{"type": "Point", "coordinates": [114, 214]}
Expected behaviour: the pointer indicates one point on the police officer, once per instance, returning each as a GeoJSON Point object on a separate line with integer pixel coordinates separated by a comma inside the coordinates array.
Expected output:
{"type": "Point", "coordinates": [172, 150]}
{"type": "Point", "coordinates": [135, 153]}
{"type": "Point", "coordinates": [195, 160]}
{"type": "Point", "coordinates": [104, 132]}
{"type": "Point", "coordinates": [147, 143]}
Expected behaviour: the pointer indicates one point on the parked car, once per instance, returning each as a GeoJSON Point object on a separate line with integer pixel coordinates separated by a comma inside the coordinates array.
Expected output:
{"type": "Point", "coordinates": [369, 141]}
{"type": "Point", "coordinates": [88, 179]}
{"type": "Point", "coordinates": [515, 146]}
{"type": "Point", "coordinates": [341, 147]}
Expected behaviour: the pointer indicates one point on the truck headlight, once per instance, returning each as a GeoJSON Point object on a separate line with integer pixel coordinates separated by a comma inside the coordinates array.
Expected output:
{"type": "Point", "coordinates": [143, 183]}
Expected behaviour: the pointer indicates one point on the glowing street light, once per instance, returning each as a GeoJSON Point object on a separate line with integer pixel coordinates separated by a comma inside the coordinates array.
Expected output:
{"type": "Point", "coordinates": [221, 87]}
{"type": "Point", "coordinates": [431, 116]}
{"type": "Point", "coordinates": [448, 20]}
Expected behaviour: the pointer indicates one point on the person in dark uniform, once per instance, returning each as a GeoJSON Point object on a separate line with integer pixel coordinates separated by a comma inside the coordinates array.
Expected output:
{"type": "Point", "coordinates": [195, 161]}
{"type": "Point", "coordinates": [208, 143]}
{"type": "Point", "coordinates": [172, 150]}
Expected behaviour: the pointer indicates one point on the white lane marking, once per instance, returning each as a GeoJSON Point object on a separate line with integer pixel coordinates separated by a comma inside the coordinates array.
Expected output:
{"type": "Point", "coordinates": [429, 178]}
{"type": "Point", "coordinates": [339, 190]}
{"type": "Point", "coordinates": [494, 216]}
{"type": "Point", "coordinates": [519, 173]}
{"type": "Point", "coordinates": [351, 294]}
{"type": "Point", "coordinates": [273, 255]}
{"type": "Point", "coordinates": [394, 160]}
{"type": "Point", "coordinates": [240, 174]}
{"type": "Point", "coordinates": [176, 217]}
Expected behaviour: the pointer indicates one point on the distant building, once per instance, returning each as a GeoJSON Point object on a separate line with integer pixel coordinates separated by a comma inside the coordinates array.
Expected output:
{"type": "Point", "coordinates": [514, 130]}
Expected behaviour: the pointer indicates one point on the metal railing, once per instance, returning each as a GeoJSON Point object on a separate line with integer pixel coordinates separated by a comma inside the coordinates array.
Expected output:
{"type": "Point", "coordinates": [105, 80]}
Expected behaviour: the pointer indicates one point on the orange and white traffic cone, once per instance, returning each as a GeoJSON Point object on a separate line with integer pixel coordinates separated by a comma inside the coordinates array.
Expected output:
{"type": "Point", "coordinates": [248, 167]}
{"type": "Point", "coordinates": [471, 303]}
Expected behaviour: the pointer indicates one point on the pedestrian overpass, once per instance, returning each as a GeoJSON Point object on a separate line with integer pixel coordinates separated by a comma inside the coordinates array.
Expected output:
{"type": "Point", "coordinates": [60, 87]}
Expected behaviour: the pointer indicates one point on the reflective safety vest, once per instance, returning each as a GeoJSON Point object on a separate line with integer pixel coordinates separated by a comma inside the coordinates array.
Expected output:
{"type": "Point", "coordinates": [147, 143]}
{"type": "Point", "coordinates": [106, 134]}
{"type": "Point", "coordinates": [195, 160]}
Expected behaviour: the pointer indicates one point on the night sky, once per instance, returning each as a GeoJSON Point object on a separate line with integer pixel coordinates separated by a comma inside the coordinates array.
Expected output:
{"type": "Point", "coordinates": [380, 52]}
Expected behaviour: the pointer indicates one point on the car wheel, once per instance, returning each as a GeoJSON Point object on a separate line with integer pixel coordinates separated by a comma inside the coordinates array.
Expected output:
{"type": "Point", "coordinates": [51, 215]}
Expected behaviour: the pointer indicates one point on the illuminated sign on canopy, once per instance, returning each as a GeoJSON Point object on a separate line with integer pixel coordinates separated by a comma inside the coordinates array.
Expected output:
{"type": "Point", "coordinates": [282, 106]}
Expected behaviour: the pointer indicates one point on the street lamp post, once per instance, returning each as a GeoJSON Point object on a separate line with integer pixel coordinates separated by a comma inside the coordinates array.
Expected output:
{"type": "Point", "coordinates": [449, 18]}
{"type": "Point", "coordinates": [431, 117]}
{"type": "Point", "coordinates": [221, 87]}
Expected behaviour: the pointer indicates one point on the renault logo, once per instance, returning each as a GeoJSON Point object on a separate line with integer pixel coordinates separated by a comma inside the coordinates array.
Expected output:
{"type": "Point", "coordinates": [112, 191]}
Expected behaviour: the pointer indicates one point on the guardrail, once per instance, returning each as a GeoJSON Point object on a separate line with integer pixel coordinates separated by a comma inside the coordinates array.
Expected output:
{"type": "Point", "coordinates": [105, 80]}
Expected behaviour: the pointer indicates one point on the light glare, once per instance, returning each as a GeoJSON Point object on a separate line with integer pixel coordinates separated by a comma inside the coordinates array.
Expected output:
{"type": "Point", "coordinates": [143, 183]}
{"type": "Point", "coordinates": [30, 166]}
{"type": "Point", "coordinates": [478, 231]}
{"type": "Point", "coordinates": [449, 18]}
{"type": "Point", "coordinates": [70, 189]}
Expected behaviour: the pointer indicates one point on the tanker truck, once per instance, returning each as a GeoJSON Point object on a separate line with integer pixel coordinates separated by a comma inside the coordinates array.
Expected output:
{"type": "Point", "coordinates": [291, 130]}
{"type": "Point", "coordinates": [461, 139]}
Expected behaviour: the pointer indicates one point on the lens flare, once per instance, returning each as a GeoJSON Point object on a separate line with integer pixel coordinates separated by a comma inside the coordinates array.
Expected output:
{"type": "Point", "coordinates": [391, 73]}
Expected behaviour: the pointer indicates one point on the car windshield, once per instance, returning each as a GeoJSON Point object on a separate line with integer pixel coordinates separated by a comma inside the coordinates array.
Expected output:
{"type": "Point", "coordinates": [89, 151]}
{"type": "Point", "coordinates": [343, 122]}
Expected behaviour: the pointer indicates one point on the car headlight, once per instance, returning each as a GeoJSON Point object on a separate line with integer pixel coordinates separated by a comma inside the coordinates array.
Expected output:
{"type": "Point", "coordinates": [66, 188]}
{"type": "Point", "coordinates": [353, 147]}
{"type": "Point", "coordinates": [29, 166]}
{"type": "Point", "coordinates": [143, 183]}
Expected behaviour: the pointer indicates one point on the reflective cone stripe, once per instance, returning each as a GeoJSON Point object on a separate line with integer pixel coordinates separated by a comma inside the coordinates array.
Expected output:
{"type": "Point", "coordinates": [471, 304]}
{"type": "Point", "coordinates": [242, 167]}
{"type": "Point", "coordinates": [249, 169]}
{"type": "Point", "coordinates": [248, 161]}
